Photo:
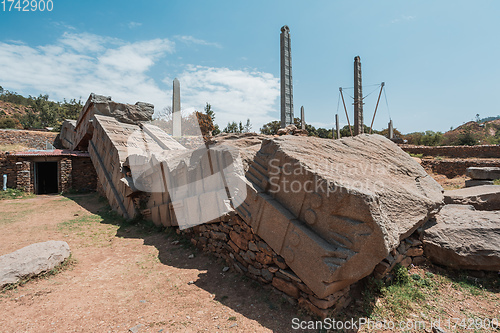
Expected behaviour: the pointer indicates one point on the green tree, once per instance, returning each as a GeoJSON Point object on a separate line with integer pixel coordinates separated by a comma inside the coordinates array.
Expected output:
{"type": "Point", "coordinates": [248, 126]}
{"type": "Point", "coordinates": [9, 122]}
{"type": "Point", "coordinates": [467, 138]}
{"type": "Point", "coordinates": [232, 128]}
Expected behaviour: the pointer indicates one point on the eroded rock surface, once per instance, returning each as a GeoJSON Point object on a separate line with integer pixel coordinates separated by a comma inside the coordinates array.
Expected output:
{"type": "Point", "coordinates": [462, 237]}
{"type": "Point", "coordinates": [32, 260]}
{"type": "Point", "coordinates": [335, 208]}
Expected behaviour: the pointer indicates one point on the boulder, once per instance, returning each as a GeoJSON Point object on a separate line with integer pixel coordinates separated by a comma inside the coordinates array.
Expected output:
{"type": "Point", "coordinates": [476, 182]}
{"type": "Point", "coordinates": [485, 197]}
{"type": "Point", "coordinates": [289, 129]}
{"type": "Point", "coordinates": [32, 260]}
{"type": "Point", "coordinates": [483, 173]}
{"type": "Point", "coordinates": [335, 208]}
{"type": "Point", "coordinates": [461, 237]}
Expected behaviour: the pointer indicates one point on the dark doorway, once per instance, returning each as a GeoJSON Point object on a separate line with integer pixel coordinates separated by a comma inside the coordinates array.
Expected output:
{"type": "Point", "coordinates": [46, 177]}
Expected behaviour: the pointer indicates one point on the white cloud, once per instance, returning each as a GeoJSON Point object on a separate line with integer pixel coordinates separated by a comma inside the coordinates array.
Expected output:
{"type": "Point", "coordinates": [403, 18]}
{"type": "Point", "coordinates": [191, 40]}
{"type": "Point", "coordinates": [78, 64]}
{"type": "Point", "coordinates": [235, 95]}
{"type": "Point", "coordinates": [133, 25]}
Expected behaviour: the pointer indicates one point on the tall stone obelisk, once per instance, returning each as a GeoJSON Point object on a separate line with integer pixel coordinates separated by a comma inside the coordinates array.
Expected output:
{"type": "Point", "coordinates": [176, 109]}
{"type": "Point", "coordinates": [391, 130]}
{"type": "Point", "coordinates": [302, 118]}
{"type": "Point", "coordinates": [286, 77]}
{"type": "Point", "coordinates": [337, 125]}
{"type": "Point", "coordinates": [358, 98]}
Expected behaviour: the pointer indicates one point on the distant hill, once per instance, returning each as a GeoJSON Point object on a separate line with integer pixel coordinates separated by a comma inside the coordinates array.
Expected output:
{"type": "Point", "coordinates": [472, 133]}
{"type": "Point", "coordinates": [12, 110]}
{"type": "Point", "coordinates": [487, 119]}
{"type": "Point", "coordinates": [17, 111]}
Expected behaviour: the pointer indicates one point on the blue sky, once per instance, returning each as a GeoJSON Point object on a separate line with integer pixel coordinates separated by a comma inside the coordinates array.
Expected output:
{"type": "Point", "coordinates": [439, 59]}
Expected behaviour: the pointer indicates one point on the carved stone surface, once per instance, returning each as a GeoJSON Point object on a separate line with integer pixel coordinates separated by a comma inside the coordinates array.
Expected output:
{"type": "Point", "coordinates": [110, 147]}
{"type": "Point", "coordinates": [461, 237]}
{"type": "Point", "coordinates": [176, 109]}
{"type": "Point", "coordinates": [334, 209]}
{"type": "Point", "coordinates": [286, 77]}
{"type": "Point", "coordinates": [485, 197]}
{"type": "Point", "coordinates": [32, 260]}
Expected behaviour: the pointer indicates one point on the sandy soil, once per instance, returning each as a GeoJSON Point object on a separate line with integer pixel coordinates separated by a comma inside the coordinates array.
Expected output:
{"type": "Point", "coordinates": [126, 278]}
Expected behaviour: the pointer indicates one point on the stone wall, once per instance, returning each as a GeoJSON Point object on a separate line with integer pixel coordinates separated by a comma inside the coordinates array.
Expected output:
{"type": "Point", "coordinates": [24, 176]}
{"type": "Point", "coordinates": [245, 252]}
{"type": "Point", "coordinates": [483, 151]}
{"type": "Point", "coordinates": [455, 167]}
{"type": "Point", "coordinates": [8, 167]}
{"type": "Point", "coordinates": [28, 139]}
{"type": "Point", "coordinates": [65, 179]}
{"type": "Point", "coordinates": [76, 173]}
{"type": "Point", "coordinates": [84, 177]}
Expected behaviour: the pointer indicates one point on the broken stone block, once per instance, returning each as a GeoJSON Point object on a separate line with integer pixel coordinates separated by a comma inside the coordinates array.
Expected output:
{"type": "Point", "coordinates": [32, 260]}
{"type": "Point", "coordinates": [486, 197]}
{"type": "Point", "coordinates": [335, 208]}
{"type": "Point", "coordinates": [483, 173]}
{"type": "Point", "coordinates": [462, 237]}
{"type": "Point", "coordinates": [474, 182]}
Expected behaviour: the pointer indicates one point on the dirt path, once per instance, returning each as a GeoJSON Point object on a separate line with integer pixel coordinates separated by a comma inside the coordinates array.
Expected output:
{"type": "Point", "coordinates": [125, 278]}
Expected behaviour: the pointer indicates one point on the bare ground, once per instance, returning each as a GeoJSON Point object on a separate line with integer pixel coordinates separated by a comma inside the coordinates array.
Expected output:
{"type": "Point", "coordinates": [125, 276]}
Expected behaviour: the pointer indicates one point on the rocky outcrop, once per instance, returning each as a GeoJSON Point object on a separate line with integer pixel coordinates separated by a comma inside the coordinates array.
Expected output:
{"type": "Point", "coordinates": [461, 237]}
{"type": "Point", "coordinates": [335, 208]}
{"type": "Point", "coordinates": [32, 260]}
{"type": "Point", "coordinates": [485, 197]}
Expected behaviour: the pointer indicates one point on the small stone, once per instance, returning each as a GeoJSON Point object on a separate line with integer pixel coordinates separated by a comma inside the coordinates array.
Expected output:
{"type": "Point", "coordinates": [175, 242]}
{"type": "Point", "coordinates": [415, 252]}
{"type": "Point", "coordinates": [273, 269]}
{"type": "Point", "coordinates": [290, 275]}
{"type": "Point", "coordinates": [406, 262]}
{"type": "Point", "coordinates": [225, 269]}
{"type": "Point", "coordinates": [136, 328]}
{"type": "Point", "coordinates": [190, 282]}
{"type": "Point", "coordinates": [267, 275]}
{"type": "Point", "coordinates": [191, 256]}
{"type": "Point", "coordinates": [263, 258]}
{"type": "Point", "coordinates": [253, 270]}
{"type": "Point", "coordinates": [252, 247]}
{"type": "Point", "coordinates": [417, 261]}
{"type": "Point", "coordinates": [280, 262]}
{"type": "Point", "coordinates": [286, 287]}
{"type": "Point", "coordinates": [233, 325]}
{"type": "Point", "coordinates": [238, 240]}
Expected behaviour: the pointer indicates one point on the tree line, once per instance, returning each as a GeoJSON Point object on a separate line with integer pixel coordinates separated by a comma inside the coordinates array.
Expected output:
{"type": "Point", "coordinates": [39, 111]}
